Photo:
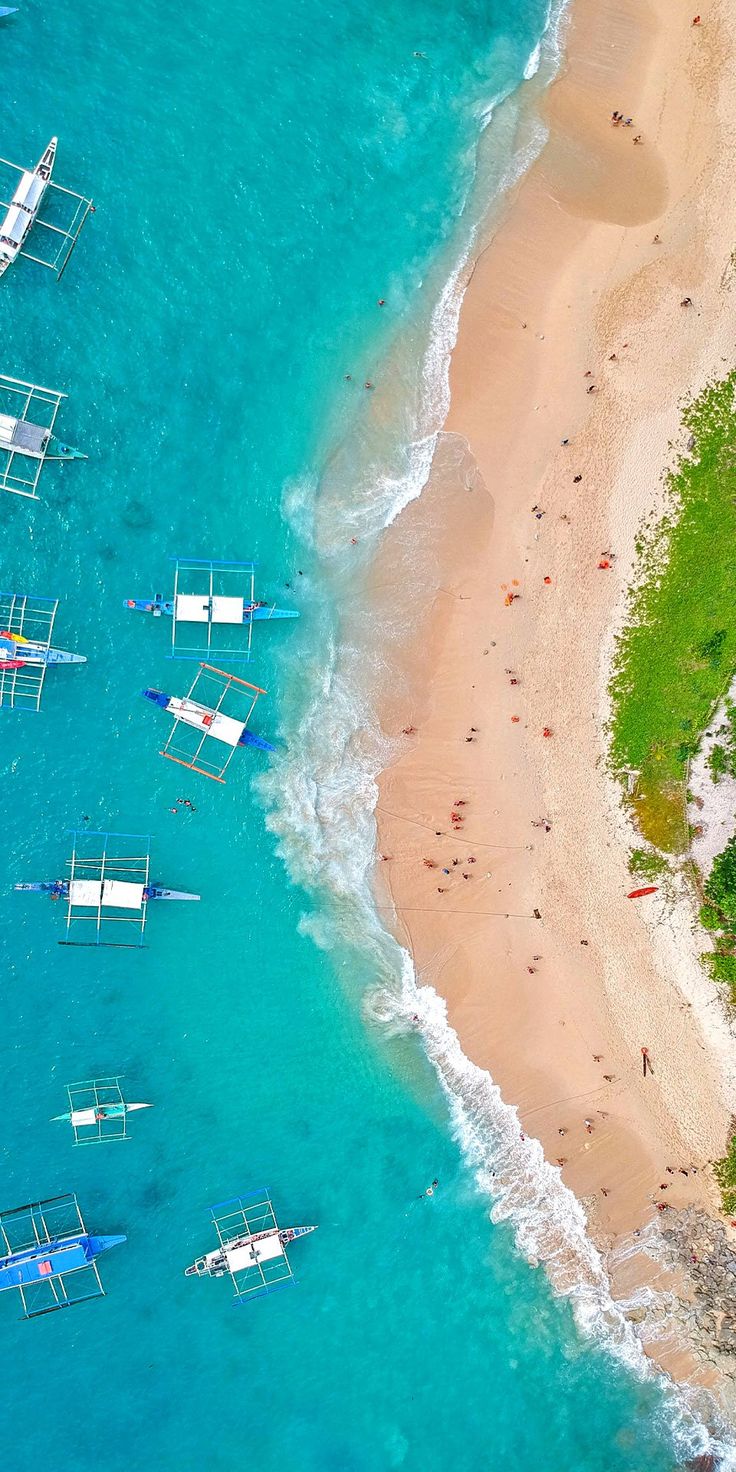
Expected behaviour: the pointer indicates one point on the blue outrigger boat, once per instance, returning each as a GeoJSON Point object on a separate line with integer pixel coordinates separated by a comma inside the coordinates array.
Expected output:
{"type": "Point", "coordinates": [212, 609]}
{"type": "Point", "coordinates": [106, 893]}
{"type": "Point", "coordinates": [204, 727]}
{"type": "Point", "coordinates": [45, 1245]}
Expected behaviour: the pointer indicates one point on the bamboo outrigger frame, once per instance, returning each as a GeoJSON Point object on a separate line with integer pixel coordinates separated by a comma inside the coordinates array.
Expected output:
{"type": "Point", "coordinates": [102, 1100]}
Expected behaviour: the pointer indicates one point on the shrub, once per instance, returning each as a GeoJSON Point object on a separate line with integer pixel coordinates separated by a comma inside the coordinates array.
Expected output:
{"type": "Point", "coordinates": [719, 763]}
{"type": "Point", "coordinates": [721, 886]}
{"type": "Point", "coordinates": [710, 917]}
{"type": "Point", "coordinates": [721, 967]}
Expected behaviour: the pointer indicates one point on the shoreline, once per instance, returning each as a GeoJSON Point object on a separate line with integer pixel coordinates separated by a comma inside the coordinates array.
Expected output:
{"type": "Point", "coordinates": [570, 276]}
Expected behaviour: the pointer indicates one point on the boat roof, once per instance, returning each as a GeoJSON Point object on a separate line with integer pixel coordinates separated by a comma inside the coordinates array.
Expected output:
{"type": "Point", "coordinates": [251, 1253]}
{"type": "Point", "coordinates": [15, 224]}
{"type": "Point", "coordinates": [30, 190]}
{"type": "Point", "coordinates": [119, 894]}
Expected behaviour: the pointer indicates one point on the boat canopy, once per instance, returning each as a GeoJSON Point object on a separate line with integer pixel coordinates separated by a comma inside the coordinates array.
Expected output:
{"type": "Point", "coordinates": [119, 894]}
{"type": "Point", "coordinates": [30, 190]}
{"type": "Point", "coordinates": [250, 1254]}
{"type": "Point", "coordinates": [14, 225]}
{"type": "Point", "coordinates": [227, 610]}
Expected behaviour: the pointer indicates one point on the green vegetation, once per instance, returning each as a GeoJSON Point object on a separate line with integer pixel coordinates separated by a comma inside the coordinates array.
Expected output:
{"type": "Point", "coordinates": [719, 914]}
{"type": "Point", "coordinates": [721, 887]}
{"type": "Point", "coordinates": [725, 1174]}
{"type": "Point", "coordinates": [677, 656]}
{"type": "Point", "coordinates": [719, 762]}
{"type": "Point", "coordinates": [722, 759]}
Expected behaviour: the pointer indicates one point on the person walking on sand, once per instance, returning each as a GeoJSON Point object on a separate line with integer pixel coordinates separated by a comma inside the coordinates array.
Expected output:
{"type": "Point", "coordinates": [646, 1061]}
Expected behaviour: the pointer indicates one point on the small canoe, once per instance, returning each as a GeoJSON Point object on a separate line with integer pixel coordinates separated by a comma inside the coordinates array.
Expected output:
{"type": "Point", "coordinates": [636, 894]}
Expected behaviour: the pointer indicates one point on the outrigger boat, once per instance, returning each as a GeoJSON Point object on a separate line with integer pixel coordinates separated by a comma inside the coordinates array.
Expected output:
{"type": "Point", "coordinates": [28, 414]}
{"type": "Point", "coordinates": [50, 1257]}
{"type": "Point", "coordinates": [22, 212]}
{"type": "Point", "coordinates": [252, 1246]}
{"type": "Point", "coordinates": [97, 1111]}
{"type": "Point", "coordinates": [220, 598]}
{"type": "Point", "coordinates": [108, 889]}
{"type": "Point", "coordinates": [209, 722]}
{"type": "Point", "coordinates": [26, 651]}
{"type": "Point", "coordinates": [24, 206]}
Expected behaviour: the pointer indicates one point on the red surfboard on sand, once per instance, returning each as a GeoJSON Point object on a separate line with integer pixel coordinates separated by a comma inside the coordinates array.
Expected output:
{"type": "Point", "coordinates": [636, 894]}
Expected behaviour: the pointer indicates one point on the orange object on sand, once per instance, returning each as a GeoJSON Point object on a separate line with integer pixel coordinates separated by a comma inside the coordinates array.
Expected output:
{"type": "Point", "coordinates": [515, 720]}
{"type": "Point", "coordinates": [636, 894]}
{"type": "Point", "coordinates": [604, 562]}
{"type": "Point", "coordinates": [548, 580]}
{"type": "Point", "coordinates": [546, 731]}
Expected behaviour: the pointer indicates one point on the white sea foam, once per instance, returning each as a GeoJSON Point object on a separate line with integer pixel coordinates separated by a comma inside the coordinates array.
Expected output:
{"type": "Point", "coordinates": [532, 66]}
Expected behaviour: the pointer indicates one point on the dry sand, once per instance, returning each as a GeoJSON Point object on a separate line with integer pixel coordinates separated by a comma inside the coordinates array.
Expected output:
{"type": "Point", "coordinates": [571, 282]}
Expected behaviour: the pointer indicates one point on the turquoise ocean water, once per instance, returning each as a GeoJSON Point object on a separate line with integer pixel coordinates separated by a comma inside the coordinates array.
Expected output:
{"type": "Point", "coordinates": [262, 176]}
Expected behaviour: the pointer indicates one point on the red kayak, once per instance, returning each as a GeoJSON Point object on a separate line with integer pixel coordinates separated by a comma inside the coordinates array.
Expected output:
{"type": "Point", "coordinates": [636, 894]}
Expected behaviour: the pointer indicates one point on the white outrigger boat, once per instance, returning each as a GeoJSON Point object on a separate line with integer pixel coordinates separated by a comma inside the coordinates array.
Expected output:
{"type": "Point", "coordinates": [97, 1111]}
{"type": "Point", "coordinates": [251, 1246]}
{"type": "Point", "coordinates": [24, 206]}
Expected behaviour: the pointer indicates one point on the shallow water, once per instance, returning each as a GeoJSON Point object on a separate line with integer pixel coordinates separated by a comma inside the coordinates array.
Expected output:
{"type": "Point", "coordinates": [262, 177]}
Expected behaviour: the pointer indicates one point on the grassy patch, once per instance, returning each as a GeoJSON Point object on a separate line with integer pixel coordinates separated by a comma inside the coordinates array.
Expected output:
{"type": "Point", "coordinates": [677, 654]}
{"type": "Point", "coordinates": [647, 864]}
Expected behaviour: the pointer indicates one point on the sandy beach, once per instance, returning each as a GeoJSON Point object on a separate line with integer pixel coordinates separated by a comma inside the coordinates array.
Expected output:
{"type": "Point", "coordinates": [573, 358]}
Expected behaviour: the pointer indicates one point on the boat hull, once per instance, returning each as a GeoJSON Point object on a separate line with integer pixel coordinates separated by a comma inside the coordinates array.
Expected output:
{"type": "Point", "coordinates": [50, 1259]}
{"type": "Point", "coordinates": [38, 654]}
